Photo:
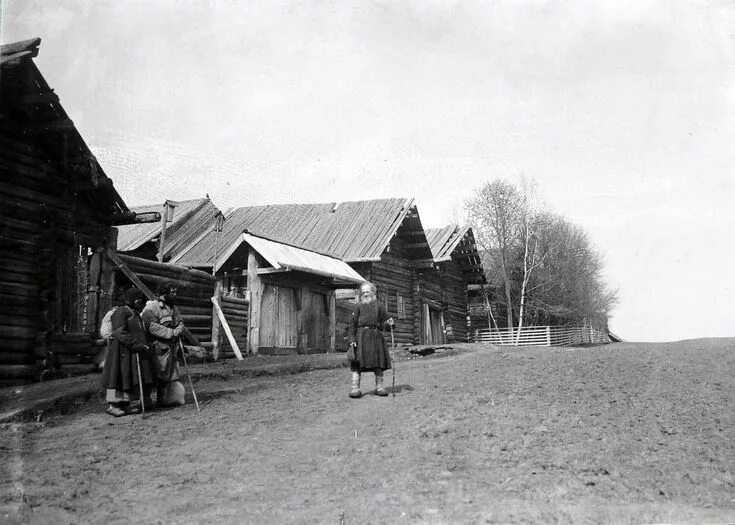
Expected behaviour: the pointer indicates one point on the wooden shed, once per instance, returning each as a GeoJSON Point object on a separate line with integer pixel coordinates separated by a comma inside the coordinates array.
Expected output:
{"type": "Point", "coordinates": [459, 268]}
{"type": "Point", "coordinates": [382, 239]}
{"type": "Point", "coordinates": [58, 209]}
{"type": "Point", "coordinates": [291, 294]}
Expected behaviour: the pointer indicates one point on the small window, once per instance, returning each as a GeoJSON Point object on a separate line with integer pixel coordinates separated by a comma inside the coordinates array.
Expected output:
{"type": "Point", "coordinates": [384, 300]}
{"type": "Point", "coordinates": [400, 306]}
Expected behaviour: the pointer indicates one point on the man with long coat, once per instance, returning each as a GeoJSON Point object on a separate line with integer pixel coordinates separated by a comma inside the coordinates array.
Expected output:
{"type": "Point", "coordinates": [163, 323]}
{"type": "Point", "coordinates": [368, 352]}
{"type": "Point", "coordinates": [120, 373]}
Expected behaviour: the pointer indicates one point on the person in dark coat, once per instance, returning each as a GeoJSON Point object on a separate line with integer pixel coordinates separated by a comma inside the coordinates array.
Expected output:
{"type": "Point", "coordinates": [120, 373]}
{"type": "Point", "coordinates": [163, 323]}
{"type": "Point", "coordinates": [369, 352]}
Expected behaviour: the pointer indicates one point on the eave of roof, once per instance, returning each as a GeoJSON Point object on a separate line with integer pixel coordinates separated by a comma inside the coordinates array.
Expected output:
{"type": "Point", "coordinates": [34, 107]}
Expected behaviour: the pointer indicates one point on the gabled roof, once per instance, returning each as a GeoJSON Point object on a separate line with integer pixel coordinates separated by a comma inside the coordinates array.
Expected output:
{"type": "Point", "coordinates": [457, 243]}
{"type": "Point", "coordinates": [30, 106]}
{"type": "Point", "coordinates": [352, 231]}
{"type": "Point", "coordinates": [443, 241]}
{"type": "Point", "coordinates": [286, 258]}
{"type": "Point", "coordinates": [190, 219]}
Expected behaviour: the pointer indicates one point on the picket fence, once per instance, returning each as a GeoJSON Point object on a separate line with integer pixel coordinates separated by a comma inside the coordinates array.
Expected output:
{"type": "Point", "coordinates": [541, 336]}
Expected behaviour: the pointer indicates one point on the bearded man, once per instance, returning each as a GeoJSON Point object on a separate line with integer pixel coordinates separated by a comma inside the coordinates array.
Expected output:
{"type": "Point", "coordinates": [163, 323]}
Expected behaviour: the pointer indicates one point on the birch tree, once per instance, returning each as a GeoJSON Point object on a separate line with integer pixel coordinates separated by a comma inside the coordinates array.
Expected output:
{"type": "Point", "coordinates": [495, 212]}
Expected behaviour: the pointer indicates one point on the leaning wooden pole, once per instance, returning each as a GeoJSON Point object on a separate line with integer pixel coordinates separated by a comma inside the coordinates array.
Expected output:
{"type": "Point", "coordinates": [226, 328]}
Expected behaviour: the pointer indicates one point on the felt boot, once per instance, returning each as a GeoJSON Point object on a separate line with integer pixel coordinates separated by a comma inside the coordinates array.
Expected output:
{"type": "Point", "coordinates": [114, 409]}
{"type": "Point", "coordinates": [382, 392]}
{"type": "Point", "coordinates": [355, 392]}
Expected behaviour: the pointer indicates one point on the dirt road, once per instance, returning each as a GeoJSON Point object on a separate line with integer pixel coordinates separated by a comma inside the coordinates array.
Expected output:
{"type": "Point", "coordinates": [623, 433]}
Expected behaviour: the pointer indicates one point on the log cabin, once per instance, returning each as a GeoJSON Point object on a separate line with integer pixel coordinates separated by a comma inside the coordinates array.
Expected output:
{"type": "Point", "coordinates": [383, 240]}
{"type": "Point", "coordinates": [458, 270]}
{"type": "Point", "coordinates": [56, 224]}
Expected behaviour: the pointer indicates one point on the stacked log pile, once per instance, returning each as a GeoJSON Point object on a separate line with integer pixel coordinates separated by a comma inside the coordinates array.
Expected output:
{"type": "Point", "coordinates": [194, 292]}
{"type": "Point", "coordinates": [236, 314]}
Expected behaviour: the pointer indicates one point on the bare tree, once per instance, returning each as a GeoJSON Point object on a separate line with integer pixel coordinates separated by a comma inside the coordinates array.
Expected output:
{"type": "Point", "coordinates": [495, 212]}
{"type": "Point", "coordinates": [545, 263]}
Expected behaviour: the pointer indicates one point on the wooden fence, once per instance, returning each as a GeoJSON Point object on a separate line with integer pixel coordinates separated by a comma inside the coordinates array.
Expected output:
{"type": "Point", "coordinates": [541, 336]}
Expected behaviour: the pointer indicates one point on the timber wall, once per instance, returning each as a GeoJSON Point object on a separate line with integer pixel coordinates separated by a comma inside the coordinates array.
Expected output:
{"type": "Point", "coordinates": [194, 292]}
{"type": "Point", "coordinates": [52, 273]}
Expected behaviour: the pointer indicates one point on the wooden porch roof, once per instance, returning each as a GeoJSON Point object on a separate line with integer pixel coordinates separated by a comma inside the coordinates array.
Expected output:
{"type": "Point", "coordinates": [286, 258]}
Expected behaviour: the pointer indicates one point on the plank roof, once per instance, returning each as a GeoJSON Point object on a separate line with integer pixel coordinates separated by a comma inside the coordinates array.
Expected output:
{"type": "Point", "coordinates": [352, 231]}
{"type": "Point", "coordinates": [190, 218]}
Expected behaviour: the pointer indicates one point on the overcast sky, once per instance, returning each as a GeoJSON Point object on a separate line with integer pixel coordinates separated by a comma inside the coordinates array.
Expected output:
{"type": "Point", "coordinates": [623, 112]}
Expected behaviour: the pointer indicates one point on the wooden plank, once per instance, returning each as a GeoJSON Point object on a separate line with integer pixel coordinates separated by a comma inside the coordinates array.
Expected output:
{"type": "Point", "coordinates": [332, 327]}
{"type": "Point", "coordinates": [226, 328]}
{"type": "Point", "coordinates": [215, 324]}
{"type": "Point", "coordinates": [256, 297]}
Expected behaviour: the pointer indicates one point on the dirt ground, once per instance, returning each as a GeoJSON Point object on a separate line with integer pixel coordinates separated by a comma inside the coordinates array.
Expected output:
{"type": "Point", "coordinates": [623, 433]}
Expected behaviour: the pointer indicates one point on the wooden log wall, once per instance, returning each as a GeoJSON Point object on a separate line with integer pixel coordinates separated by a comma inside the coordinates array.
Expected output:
{"type": "Point", "coordinates": [44, 219]}
{"type": "Point", "coordinates": [393, 276]}
{"type": "Point", "coordinates": [455, 302]}
{"type": "Point", "coordinates": [194, 292]}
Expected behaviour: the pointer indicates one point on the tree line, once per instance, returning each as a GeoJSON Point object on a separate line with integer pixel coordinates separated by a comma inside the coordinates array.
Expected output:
{"type": "Point", "coordinates": [541, 268]}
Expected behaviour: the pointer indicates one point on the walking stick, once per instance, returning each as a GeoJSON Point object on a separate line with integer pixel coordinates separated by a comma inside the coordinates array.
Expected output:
{"type": "Point", "coordinates": [140, 383]}
{"type": "Point", "coordinates": [393, 358]}
{"type": "Point", "coordinates": [191, 384]}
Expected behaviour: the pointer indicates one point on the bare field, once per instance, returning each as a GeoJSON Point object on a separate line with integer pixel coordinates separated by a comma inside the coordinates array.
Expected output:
{"type": "Point", "coordinates": [623, 433]}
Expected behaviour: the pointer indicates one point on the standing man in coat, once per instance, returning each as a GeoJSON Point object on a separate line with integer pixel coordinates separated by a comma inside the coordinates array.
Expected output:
{"type": "Point", "coordinates": [368, 350]}
{"type": "Point", "coordinates": [164, 326]}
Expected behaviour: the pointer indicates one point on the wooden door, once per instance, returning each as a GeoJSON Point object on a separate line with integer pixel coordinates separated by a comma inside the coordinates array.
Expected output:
{"type": "Point", "coordinates": [278, 323]}
{"type": "Point", "coordinates": [432, 329]}
{"type": "Point", "coordinates": [315, 323]}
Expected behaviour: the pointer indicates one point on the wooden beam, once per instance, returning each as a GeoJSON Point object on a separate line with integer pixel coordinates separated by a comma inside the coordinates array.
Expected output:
{"type": "Point", "coordinates": [40, 98]}
{"type": "Point", "coordinates": [423, 263]}
{"type": "Point", "coordinates": [263, 271]}
{"type": "Point", "coordinates": [120, 219]}
{"type": "Point", "coordinates": [130, 274]}
{"type": "Point", "coordinates": [332, 310]}
{"type": "Point", "coordinates": [226, 328]}
{"type": "Point", "coordinates": [215, 324]}
{"type": "Point", "coordinates": [256, 294]}
{"type": "Point", "coordinates": [162, 238]}
{"type": "Point", "coordinates": [423, 244]}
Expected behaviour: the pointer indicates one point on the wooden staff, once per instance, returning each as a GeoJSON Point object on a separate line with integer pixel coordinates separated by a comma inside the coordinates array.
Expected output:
{"type": "Point", "coordinates": [186, 369]}
{"type": "Point", "coordinates": [140, 383]}
{"type": "Point", "coordinates": [393, 358]}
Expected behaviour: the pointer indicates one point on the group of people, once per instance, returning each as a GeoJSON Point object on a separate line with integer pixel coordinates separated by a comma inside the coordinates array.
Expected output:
{"type": "Point", "coordinates": [145, 336]}
{"type": "Point", "coordinates": [142, 351]}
